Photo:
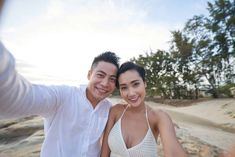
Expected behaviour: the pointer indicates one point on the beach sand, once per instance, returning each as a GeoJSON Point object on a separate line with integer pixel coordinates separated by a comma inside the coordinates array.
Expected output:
{"type": "Point", "coordinates": [204, 129]}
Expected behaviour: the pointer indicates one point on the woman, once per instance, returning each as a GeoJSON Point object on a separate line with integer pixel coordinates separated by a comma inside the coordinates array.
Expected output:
{"type": "Point", "coordinates": [133, 128]}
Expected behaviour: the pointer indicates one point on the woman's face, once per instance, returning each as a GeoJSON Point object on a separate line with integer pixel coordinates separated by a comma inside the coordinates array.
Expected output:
{"type": "Point", "coordinates": [132, 88]}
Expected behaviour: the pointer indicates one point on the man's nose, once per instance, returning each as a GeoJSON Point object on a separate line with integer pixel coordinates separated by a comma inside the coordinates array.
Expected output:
{"type": "Point", "coordinates": [105, 81]}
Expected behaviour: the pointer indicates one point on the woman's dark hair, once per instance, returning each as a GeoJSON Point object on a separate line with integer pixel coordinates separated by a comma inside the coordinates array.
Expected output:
{"type": "Point", "coordinates": [130, 66]}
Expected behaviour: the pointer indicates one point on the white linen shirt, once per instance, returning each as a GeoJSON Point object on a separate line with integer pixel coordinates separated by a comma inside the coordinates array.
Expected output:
{"type": "Point", "coordinates": [72, 126]}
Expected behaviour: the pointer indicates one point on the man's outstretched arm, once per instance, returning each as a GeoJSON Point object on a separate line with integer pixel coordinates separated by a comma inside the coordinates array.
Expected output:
{"type": "Point", "coordinates": [18, 97]}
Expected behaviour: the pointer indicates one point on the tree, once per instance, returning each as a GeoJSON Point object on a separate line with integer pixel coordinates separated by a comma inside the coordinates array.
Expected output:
{"type": "Point", "coordinates": [160, 75]}
{"type": "Point", "coordinates": [182, 50]}
{"type": "Point", "coordinates": [222, 26]}
{"type": "Point", "coordinates": [214, 42]}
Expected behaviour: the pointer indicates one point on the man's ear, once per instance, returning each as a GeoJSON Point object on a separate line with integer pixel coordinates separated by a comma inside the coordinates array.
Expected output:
{"type": "Point", "coordinates": [89, 74]}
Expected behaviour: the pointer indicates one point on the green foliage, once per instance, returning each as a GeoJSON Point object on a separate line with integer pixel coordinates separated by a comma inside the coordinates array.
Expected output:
{"type": "Point", "coordinates": [214, 41]}
{"type": "Point", "coordinates": [225, 90]}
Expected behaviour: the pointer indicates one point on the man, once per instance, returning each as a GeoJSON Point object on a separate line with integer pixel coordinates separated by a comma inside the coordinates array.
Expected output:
{"type": "Point", "coordinates": [74, 117]}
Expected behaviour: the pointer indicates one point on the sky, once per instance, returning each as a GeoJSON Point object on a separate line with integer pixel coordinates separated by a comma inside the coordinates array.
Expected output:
{"type": "Point", "coordinates": [62, 37]}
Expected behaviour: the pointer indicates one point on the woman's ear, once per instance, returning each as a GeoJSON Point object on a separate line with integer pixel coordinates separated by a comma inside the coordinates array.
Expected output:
{"type": "Point", "coordinates": [145, 84]}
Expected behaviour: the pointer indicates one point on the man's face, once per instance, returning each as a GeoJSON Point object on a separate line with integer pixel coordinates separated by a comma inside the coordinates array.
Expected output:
{"type": "Point", "coordinates": [102, 79]}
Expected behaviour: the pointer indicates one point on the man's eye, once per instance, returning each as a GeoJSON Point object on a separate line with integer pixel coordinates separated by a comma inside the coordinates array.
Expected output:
{"type": "Point", "coordinates": [100, 75]}
{"type": "Point", "coordinates": [112, 79]}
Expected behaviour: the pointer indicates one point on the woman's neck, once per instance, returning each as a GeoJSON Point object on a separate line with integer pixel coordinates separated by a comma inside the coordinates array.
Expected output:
{"type": "Point", "coordinates": [140, 108]}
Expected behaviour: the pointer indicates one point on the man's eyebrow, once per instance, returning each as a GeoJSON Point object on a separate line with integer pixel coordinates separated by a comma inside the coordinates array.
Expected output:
{"type": "Point", "coordinates": [113, 76]}
{"type": "Point", "coordinates": [100, 71]}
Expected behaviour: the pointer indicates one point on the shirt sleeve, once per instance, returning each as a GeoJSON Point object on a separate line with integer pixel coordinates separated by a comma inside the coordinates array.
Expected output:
{"type": "Point", "coordinates": [18, 97]}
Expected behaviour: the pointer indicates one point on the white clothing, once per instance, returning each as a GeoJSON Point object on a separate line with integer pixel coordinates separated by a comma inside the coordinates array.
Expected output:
{"type": "Point", "coordinates": [146, 148]}
{"type": "Point", "coordinates": [72, 126]}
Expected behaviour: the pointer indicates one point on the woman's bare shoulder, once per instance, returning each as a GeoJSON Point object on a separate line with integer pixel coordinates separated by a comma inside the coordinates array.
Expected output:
{"type": "Point", "coordinates": [117, 109]}
{"type": "Point", "coordinates": [156, 113]}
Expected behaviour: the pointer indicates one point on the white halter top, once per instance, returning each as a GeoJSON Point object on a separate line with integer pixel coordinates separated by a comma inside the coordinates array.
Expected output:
{"type": "Point", "coordinates": [146, 148]}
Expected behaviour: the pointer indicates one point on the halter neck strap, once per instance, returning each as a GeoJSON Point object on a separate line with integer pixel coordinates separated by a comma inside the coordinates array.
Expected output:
{"type": "Point", "coordinates": [124, 110]}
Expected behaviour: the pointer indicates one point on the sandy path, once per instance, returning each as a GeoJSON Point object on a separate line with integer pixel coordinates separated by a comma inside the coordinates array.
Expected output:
{"type": "Point", "coordinates": [205, 130]}
{"type": "Point", "coordinates": [211, 121]}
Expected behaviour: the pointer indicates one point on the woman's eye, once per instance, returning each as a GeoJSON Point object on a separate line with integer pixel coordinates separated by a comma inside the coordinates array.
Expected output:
{"type": "Point", "coordinates": [123, 88]}
{"type": "Point", "coordinates": [136, 84]}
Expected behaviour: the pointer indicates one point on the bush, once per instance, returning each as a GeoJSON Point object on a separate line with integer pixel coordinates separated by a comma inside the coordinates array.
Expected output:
{"type": "Point", "coordinates": [224, 90]}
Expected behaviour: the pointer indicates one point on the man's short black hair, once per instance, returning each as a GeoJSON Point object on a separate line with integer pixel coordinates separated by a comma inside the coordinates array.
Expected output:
{"type": "Point", "coordinates": [107, 56]}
